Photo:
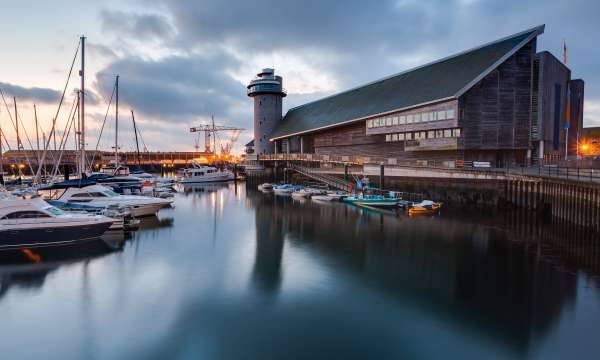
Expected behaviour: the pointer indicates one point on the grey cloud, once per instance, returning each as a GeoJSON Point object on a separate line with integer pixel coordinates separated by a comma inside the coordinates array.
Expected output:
{"type": "Point", "coordinates": [139, 26]}
{"type": "Point", "coordinates": [362, 41]}
{"type": "Point", "coordinates": [36, 94]}
{"type": "Point", "coordinates": [368, 35]}
{"type": "Point", "coordinates": [99, 50]}
{"type": "Point", "coordinates": [177, 88]}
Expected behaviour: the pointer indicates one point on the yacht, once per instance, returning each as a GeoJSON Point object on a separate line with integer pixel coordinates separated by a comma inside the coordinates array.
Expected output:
{"type": "Point", "coordinates": [33, 222]}
{"type": "Point", "coordinates": [101, 196]}
{"type": "Point", "coordinates": [201, 174]}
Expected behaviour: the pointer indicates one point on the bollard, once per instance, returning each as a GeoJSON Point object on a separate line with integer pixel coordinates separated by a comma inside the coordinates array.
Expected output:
{"type": "Point", "coordinates": [381, 175]}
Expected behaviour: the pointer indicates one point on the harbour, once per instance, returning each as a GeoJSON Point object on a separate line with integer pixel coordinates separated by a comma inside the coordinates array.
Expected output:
{"type": "Point", "coordinates": [243, 271]}
{"type": "Point", "coordinates": [291, 181]}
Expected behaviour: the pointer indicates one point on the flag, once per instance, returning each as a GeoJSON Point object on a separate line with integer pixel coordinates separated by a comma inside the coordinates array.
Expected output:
{"type": "Point", "coordinates": [565, 52]}
{"type": "Point", "coordinates": [568, 108]}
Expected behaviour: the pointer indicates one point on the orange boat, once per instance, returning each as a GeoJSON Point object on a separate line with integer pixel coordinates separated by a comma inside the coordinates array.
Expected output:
{"type": "Point", "coordinates": [425, 207]}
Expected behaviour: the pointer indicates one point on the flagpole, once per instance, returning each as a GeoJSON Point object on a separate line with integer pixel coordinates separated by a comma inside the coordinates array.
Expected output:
{"type": "Point", "coordinates": [567, 144]}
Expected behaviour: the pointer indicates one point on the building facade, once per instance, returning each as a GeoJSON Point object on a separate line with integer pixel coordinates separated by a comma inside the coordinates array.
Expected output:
{"type": "Point", "coordinates": [502, 102]}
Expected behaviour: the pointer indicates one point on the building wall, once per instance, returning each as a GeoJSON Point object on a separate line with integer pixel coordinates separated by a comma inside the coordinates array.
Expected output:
{"type": "Point", "coordinates": [496, 113]}
{"type": "Point", "coordinates": [552, 88]}
{"type": "Point", "coordinates": [267, 115]}
{"type": "Point", "coordinates": [352, 140]}
{"type": "Point", "coordinates": [575, 130]}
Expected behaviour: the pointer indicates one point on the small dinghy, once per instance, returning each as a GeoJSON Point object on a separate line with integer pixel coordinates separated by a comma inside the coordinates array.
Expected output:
{"type": "Point", "coordinates": [372, 201]}
{"type": "Point", "coordinates": [425, 207]}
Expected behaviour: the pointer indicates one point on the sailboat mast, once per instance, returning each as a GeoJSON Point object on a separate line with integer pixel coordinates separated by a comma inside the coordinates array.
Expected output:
{"type": "Point", "coordinates": [137, 144]}
{"type": "Point", "coordinates": [82, 111]}
{"type": "Point", "coordinates": [117, 123]}
{"type": "Point", "coordinates": [37, 134]}
{"type": "Point", "coordinates": [19, 146]}
{"type": "Point", "coordinates": [1, 159]}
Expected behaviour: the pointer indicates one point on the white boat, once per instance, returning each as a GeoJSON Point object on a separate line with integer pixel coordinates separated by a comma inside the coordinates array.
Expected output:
{"type": "Point", "coordinates": [302, 193]}
{"type": "Point", "coordinates": [284, 189]}
{"type": "Point", "coordinates": [33, 222]}
{"type": "Point", "coordinates": [336, 195]}
{"type": "Point", "coordinates": [200, 174]}
{"type": "Point", "coordinates": [101, 196]}
{"type": "Point", "coordinates": [265, 187]}
{"type": "Point", "coordinates": [321, 197]}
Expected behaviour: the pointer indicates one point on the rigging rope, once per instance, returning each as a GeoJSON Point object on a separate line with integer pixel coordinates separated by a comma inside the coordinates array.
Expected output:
{"type": "Point", "coordinates": [17, 130]}
{"type": "Point", "coordinates": [103, 123]}
{"type": "Point", "coordinates": [62, 97]}
{"type": "Point", "coordinates": [63, 141]}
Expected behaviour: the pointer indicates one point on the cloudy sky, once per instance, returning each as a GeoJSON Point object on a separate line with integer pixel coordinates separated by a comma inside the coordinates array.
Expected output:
{"type": "Point", "coordinates": [180, 61]}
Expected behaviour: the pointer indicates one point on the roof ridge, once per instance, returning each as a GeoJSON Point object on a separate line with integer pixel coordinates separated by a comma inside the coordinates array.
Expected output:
{"type": "Point", "coordinates": [537, 29]}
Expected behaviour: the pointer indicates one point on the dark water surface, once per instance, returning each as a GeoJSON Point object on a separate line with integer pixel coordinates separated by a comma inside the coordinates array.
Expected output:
{"type": "Point", "coordinates": [232, 273]}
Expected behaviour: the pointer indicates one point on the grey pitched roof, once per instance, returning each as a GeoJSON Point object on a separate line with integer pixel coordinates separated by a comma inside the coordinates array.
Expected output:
{"type": "Point", "coordinates": [443, 79]}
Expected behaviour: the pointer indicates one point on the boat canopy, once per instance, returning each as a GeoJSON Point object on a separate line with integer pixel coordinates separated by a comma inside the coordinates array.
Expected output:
{"type": "Point", "coordinates": [77, 183]}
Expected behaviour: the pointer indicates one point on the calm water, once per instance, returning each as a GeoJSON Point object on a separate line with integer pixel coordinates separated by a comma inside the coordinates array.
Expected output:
{"type": "Point", "coordinates": [232, 273]}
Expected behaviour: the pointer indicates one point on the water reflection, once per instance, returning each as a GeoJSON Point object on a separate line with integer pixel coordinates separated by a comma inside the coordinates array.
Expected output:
{"type": "Point", "coordinates": [473, 274]}
{"type": "Point", "coordinates": [28, 268]}
{"type": "Point", "coordinates": [232, 273]}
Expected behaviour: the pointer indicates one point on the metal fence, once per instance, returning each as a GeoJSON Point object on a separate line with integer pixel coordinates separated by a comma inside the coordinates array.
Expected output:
{"type": "Point", "coordinates": [330, 163]}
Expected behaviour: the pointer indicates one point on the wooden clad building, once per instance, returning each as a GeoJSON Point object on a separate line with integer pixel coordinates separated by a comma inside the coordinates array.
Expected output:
{"type": "Point", "coordinates": [501, 102]}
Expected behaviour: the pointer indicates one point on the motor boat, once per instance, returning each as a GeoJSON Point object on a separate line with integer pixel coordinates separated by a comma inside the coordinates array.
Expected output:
{"type": "Point", "coordinates": [336, 195]}
{"type": "Point", "coordinates": [33, 222]}
{"type": "Point", "coordinates": [124, 221]}
{"type": "Point", "coordinates": [321, 197]}
{"type": "Point", "coordinates": [200, 174]}
{"type": "Point", "coordinates": [102, 196]}
{"type": "Point", "coordinates": [330, 196]}
{"type": "Point", "coordinates": [285, 189]}
{"type": "Point", "coordinates": [265, 187]}
{"type": "Point", "coordinates": [121, 184]}
{"type": "Point", "coordinates": [302, 193]}
{"type": "Point", "coordinates": [425, 207]}
{"type": "Point", "coordinates": [372, 201]}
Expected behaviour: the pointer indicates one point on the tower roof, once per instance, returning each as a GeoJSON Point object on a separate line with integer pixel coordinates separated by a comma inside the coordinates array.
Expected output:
{"type": "Point", "coordinates": [440, 80]}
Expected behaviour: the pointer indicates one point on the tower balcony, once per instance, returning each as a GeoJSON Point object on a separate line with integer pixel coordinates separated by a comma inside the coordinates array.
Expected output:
{"type": "Point", "coordinates": [257, 87]}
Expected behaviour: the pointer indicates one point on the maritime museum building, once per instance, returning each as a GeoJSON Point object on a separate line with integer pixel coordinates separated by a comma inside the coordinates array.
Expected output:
{"type": "Point", "coordinates": [502, 102]}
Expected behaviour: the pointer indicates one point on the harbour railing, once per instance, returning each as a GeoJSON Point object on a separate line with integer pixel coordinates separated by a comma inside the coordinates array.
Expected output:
{"type": "Point", "coordinates": [543, 171]}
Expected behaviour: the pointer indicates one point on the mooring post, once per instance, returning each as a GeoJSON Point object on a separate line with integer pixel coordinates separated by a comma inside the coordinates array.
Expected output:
{"type": "Point", "coordinates": [381, 175]}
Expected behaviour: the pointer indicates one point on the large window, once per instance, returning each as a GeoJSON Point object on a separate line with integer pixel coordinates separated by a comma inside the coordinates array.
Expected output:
{"type": "Point", "coordinates": [25, 215]}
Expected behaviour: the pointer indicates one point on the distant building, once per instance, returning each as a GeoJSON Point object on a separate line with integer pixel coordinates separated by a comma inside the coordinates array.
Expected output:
{"type": "Point", "coordinates": [500, 102]}
{"type": "Point", "coordinates": [250, 147]}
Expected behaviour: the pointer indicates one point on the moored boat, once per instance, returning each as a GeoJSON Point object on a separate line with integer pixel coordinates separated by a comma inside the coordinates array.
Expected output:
{"type": "Point", "coordinates": [372, 200]}
{"type": "Point", "coordinates": [201, 174]}
{"type": "Point", "coordinates": [265, 187]}
{"type": "Point", "coordinates": [101, 196]}
{"type": "Point", "coordinates": [34, 222]}
{"type": "Point", "coordinates": [425, 207]}
{"type": "Point", "coordinates": [285, 189]}
{"type": "Point", "coordinates": [302, 193]}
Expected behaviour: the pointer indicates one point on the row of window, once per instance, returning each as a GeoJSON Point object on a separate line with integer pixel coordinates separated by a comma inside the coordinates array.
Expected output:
{"type": "Point", "coordinates": [411, 118]}
{"type": "Point", "coordinates": [418, 135]}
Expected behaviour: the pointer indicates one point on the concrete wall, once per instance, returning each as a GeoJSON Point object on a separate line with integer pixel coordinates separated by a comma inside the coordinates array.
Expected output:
{"type": "Point", "coordinates": [267, 115]}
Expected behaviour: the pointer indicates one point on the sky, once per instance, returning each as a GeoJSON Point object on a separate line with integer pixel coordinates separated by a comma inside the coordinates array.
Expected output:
{"type": "Point", "coordinates": [182, 61]}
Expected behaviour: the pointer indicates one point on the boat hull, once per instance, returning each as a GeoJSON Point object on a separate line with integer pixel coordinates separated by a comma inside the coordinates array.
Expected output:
{"type": "Point", "coordinates": [32, 237]}
{"type": "Point", "coordinates": [381, 203]}
{"type": "Point", "coordinates": [200, 180]}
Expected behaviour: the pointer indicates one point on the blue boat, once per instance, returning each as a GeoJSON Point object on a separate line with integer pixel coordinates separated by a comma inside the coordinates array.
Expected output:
{"type": "Point", "coordinates": [372, 200]}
